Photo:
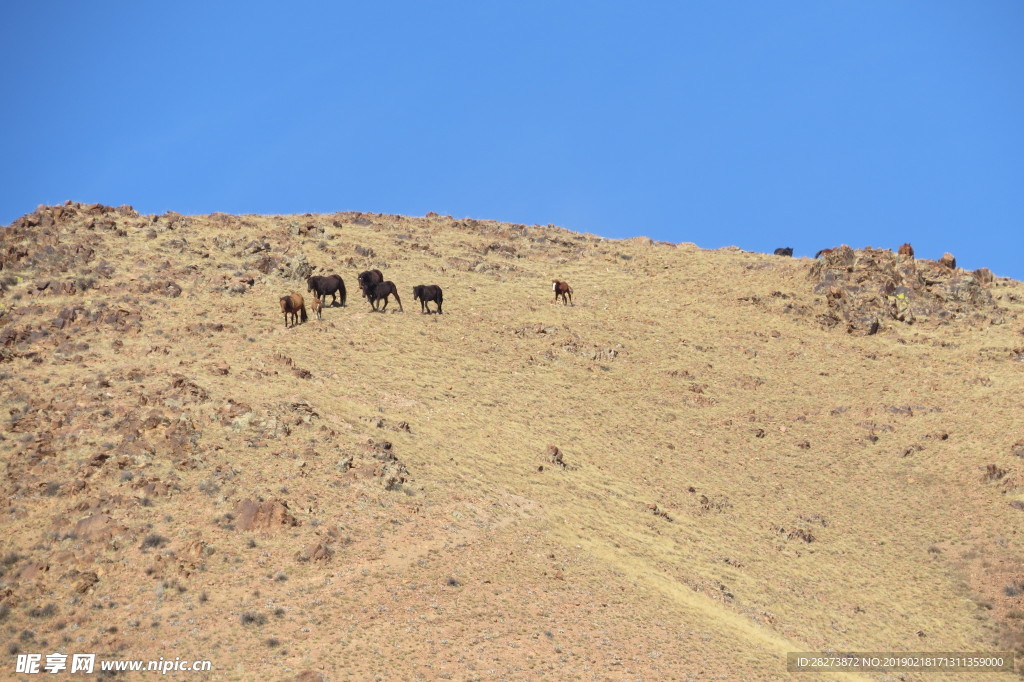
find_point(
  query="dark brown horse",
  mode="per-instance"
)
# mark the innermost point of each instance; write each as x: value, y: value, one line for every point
x: 425, y: 293
x: 368, y: 279
x: 562, y: 291
x: 295, y: 306
x: 375, y: 293
x: 331, y: 284
x: 906, y: 250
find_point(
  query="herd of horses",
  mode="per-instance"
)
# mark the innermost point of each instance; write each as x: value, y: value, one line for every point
x: 377, y: 291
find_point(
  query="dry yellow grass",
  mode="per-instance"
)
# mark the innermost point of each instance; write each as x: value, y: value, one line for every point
x: 739, y: 481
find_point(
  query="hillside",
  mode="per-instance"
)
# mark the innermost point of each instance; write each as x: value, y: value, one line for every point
x: 756, y: 454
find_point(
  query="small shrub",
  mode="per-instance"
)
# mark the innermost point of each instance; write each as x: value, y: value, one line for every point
x: 153, y: 540
x: 1014, y: 588
x: 250, y: 618
x: 44, y: 612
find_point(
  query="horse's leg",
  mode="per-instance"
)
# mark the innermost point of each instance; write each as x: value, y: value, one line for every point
x: 399, y: 301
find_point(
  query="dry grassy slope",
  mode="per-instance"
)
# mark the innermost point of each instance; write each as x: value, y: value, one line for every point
x: 696, y: 381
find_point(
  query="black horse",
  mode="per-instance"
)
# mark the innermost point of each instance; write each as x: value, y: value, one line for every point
x: 784, y: 251
x: 368, y: 279
x: 425, y: 293
x: 322, y: 286
x: 376, y: 293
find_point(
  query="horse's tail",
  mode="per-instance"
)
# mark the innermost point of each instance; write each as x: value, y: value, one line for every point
x: 302, y: 313
x: 342, y: 290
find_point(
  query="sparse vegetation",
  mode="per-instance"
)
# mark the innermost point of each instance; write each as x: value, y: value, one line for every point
x: 250, y: 618
x: 707, y: 433
x: 47, y: 611
x: 153, y: 541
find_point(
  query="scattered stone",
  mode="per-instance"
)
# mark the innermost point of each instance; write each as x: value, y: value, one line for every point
x: 866, y: 287
x: 993, y: 473
x: 269, y: 515
x: 317, y: 552
x: 555, y: 456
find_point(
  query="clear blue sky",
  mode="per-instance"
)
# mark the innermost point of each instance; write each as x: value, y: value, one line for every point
x: 754, y: 123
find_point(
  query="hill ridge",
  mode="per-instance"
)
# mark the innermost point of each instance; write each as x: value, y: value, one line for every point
x: 734, y: 434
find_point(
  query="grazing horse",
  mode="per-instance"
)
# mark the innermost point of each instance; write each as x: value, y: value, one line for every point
x: 784, y: 251
x: 380, y: 292
x: 322, y: 286
x: 823, y: 252
x: 368, y: 279
x: 316, y: 306
x: 425, y: 293
x: 562, y: 290
x: 293, y: 305
x: 906, y: 250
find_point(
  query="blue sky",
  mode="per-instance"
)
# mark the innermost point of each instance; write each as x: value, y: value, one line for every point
x: 759, y: 124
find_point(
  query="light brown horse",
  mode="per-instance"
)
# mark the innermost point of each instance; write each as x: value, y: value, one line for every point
x: 293, y: 305
x: 562, y: 290
x: 906, y: 250
x: 316, y: 306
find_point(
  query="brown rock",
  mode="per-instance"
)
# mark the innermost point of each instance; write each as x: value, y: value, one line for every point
x: 984, y: 276
x: 316, y: 552
x: 83, y: 581
x: 269, y: 515
x: 948, y: 260
x: 310, y: 676
x: 98, y: 527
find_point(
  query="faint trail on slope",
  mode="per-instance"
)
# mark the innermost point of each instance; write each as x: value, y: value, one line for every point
x: 735, y: 623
